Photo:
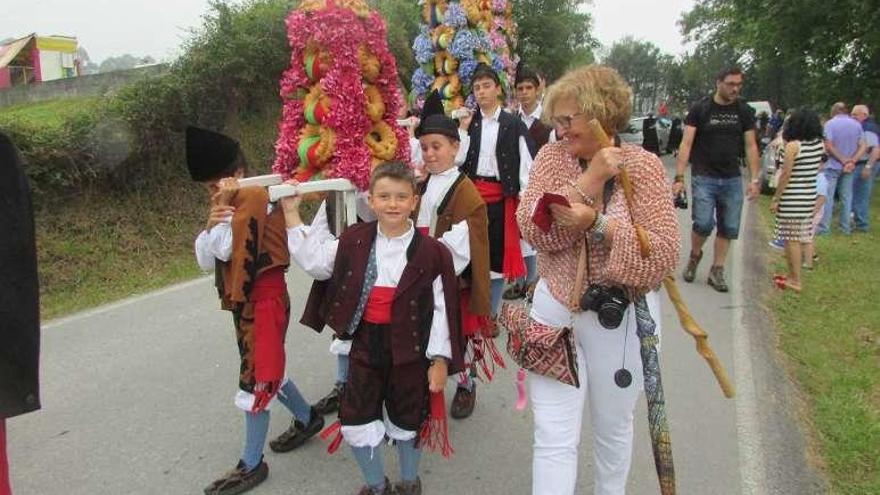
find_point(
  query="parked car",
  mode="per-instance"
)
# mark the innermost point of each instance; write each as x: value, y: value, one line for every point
x: 633, y: 133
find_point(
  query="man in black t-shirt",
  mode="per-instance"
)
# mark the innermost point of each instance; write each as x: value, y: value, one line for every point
x: 719, y: 132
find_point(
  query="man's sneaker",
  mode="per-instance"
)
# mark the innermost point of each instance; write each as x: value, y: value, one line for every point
x: 298, y: 433
x: 408, y: 487
x: 239, y: 480
x: 367, y: 490
x: 777, y: 243
x: 463, y: 402
x: 330, y: 402
x: 690, y: 271
x: 716, y: 279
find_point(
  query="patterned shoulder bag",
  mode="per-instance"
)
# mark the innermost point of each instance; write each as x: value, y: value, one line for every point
x: 543, y: 349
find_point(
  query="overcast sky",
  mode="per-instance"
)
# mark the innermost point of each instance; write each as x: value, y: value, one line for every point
x: 157, y: 27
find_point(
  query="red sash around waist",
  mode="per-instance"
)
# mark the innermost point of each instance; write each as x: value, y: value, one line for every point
x: 378, y: 310
x: 268, y: 284
x: 513, y: 266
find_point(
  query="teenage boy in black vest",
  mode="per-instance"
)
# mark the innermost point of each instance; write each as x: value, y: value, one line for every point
x: 499, y: 157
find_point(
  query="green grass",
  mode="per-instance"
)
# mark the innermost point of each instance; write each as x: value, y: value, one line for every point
x: 52, y: 113
x: 96, y: 247
x: 830, y: 334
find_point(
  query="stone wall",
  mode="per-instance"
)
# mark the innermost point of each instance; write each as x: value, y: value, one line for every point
x: 89, y: 85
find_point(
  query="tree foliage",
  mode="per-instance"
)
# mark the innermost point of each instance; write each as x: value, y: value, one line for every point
x: 805, y: 52
x: 645, y: 68
x: 554, y: 35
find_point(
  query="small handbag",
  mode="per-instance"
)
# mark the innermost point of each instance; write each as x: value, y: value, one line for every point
x: 544, y: 349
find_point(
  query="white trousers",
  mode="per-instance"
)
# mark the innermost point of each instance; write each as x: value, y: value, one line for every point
x: 558, y: 408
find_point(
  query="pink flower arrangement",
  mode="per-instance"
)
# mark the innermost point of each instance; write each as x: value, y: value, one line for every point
x: 339, y: 32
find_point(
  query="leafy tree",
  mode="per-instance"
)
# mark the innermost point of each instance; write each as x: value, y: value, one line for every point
x: 120, y: 62
x: 644, y: 67
x: 805, y: 52
x: 402, y: 19
x: 554, y: 35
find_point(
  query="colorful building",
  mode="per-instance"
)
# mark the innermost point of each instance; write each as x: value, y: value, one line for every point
x: 37, y: 59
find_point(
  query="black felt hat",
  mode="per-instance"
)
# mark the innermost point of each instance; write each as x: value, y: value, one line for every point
x: 434, y: 119
x: 524, y: 73
x: 482, y: 71
x: 209, y: 154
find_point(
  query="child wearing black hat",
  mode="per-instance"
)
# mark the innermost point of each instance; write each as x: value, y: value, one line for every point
x: 452, y: 211
x: 245, y: 243
x: 499, y: 157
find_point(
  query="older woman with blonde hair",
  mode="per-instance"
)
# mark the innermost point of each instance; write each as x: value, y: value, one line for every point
x: 599, y: 221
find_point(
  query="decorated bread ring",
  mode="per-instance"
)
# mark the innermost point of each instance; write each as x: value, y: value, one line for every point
x: 433, y: 12
x: 442, y: 37
x: 445, y: 63
x: 316, y: 146
x: 370, y: 66
x: 316, y: 106
x: 382, y: 141
x: 316, y: 61
x: 375, y: 104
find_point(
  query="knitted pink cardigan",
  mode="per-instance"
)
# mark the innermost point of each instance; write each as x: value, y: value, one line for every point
x: 553, y: 171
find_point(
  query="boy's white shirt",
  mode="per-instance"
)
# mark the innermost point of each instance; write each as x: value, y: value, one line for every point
x: 457, y: 238
x: 216, y: 244
x: 313, y: 248
x: 487, y: 162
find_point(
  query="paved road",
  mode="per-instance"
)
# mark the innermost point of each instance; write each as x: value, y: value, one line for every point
x: 137, y: 398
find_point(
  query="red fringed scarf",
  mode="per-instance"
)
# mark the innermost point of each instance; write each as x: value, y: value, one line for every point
x: 473, y: 327
x: 270, y: 325
x: 435, y: 431
x: 513, y: 266
x: 335, y: 431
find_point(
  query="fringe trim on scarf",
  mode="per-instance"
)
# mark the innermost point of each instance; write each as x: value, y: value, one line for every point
x: 335, y: 431
x: 434, y: 434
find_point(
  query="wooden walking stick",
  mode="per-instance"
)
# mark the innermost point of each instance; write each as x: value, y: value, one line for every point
x: 688, y: 323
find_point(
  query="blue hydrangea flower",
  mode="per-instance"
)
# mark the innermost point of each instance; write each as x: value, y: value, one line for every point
x: 466, y: 70
x: 455, y: 16
x: 421, y: 81
x: 423, y: 48
x: 463, y: 44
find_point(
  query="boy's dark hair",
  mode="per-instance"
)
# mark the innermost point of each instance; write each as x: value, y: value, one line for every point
x: 483, y: 71
x: 728, y: 71
x: 803, y: 125
x: 393, y: 170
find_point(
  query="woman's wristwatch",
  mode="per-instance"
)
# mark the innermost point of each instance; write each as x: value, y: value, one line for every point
x: 599, y: 228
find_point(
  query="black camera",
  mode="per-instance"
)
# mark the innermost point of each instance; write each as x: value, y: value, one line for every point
x: 609, y: 303
x: 681, y: 200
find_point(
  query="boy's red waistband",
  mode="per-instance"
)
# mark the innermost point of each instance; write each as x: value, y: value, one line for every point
x: 378, y: 310
x: 269, y: 284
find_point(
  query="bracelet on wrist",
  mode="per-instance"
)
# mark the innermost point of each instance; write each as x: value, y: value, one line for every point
x: 679, y: 178
x: 588, y: 200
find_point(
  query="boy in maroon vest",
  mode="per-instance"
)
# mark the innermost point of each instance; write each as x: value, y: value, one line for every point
x: 394, y: 292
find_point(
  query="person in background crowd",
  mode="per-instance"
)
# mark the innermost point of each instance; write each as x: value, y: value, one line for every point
x: 718, y: 131
x: 499, y: 157
x: 650, y: 140
x: 675, y: 134
x: 844, y: 143
x: 795, y: 199
x: 866, y: 168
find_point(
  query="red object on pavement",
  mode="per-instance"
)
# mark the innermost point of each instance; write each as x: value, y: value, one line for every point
x: 4, y: 462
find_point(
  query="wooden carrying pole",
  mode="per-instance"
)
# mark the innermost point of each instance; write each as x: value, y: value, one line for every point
x: 688, y: 323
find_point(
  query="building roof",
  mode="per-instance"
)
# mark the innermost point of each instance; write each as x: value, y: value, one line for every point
x: 9, y: 51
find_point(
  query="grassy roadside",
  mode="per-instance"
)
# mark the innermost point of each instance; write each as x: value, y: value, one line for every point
x: 830, y: 335
x: 96, y: 243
